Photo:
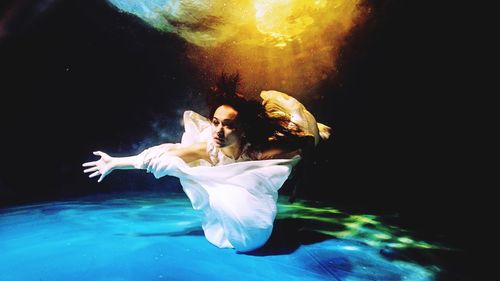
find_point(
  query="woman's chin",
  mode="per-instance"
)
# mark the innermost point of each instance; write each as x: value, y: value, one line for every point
x: 218, y: 143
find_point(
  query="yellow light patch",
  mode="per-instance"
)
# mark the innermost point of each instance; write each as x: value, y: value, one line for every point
x: 287, y: 45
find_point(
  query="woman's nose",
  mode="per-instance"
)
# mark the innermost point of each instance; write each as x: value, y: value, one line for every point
x: 218, y: 130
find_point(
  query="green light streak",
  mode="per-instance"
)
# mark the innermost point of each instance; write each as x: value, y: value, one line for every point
x: 366, y: 228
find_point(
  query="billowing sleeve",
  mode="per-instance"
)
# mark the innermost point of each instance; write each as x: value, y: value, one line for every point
x: 196, y: 128
x: 144, y: 158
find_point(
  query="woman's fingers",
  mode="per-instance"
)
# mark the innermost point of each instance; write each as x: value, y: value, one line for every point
x: 97, y: 166
x: 88, y: 164
x: 90, y: 170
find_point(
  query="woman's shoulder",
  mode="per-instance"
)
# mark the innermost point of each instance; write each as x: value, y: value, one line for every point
x: 194, y: 153
x: 200, y: 148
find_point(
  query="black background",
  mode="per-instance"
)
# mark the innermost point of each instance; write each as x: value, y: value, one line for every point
x: 81, y: 76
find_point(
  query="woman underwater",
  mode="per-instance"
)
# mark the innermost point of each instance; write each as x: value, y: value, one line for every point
x: 232, y: 165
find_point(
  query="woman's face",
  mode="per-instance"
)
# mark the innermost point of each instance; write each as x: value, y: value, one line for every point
x: 225, y: 128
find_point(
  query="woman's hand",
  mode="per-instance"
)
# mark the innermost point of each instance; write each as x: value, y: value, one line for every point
x: 101, y: 167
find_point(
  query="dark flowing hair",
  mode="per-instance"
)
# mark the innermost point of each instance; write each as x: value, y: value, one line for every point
x: 262, y: 131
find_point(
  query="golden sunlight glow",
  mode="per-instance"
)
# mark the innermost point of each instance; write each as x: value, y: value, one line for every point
x: 280, y: 20
x: 285, y: 45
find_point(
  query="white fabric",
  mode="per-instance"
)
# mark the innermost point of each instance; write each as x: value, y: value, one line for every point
x: 238, y: 197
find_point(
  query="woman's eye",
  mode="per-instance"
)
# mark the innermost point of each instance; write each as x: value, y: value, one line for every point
x: 215, y: 122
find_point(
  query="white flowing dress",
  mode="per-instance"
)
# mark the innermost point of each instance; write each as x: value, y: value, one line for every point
x: 238, y: 197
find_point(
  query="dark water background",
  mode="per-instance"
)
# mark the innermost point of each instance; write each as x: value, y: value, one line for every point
x: 78, y: 76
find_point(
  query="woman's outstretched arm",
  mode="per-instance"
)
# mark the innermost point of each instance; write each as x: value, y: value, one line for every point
x: 106, y: 164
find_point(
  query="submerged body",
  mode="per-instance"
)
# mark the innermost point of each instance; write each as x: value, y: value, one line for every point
x: 235, y: 187
x: 237, y: 196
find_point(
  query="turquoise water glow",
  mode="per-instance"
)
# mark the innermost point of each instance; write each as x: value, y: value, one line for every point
x: 151, y: 237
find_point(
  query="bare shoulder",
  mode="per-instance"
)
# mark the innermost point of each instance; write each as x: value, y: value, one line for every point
x: 199, y: 149
x: 192, y: 152
x: 199, y: 146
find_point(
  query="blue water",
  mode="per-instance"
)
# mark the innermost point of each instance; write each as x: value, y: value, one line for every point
x: 152, y: 237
